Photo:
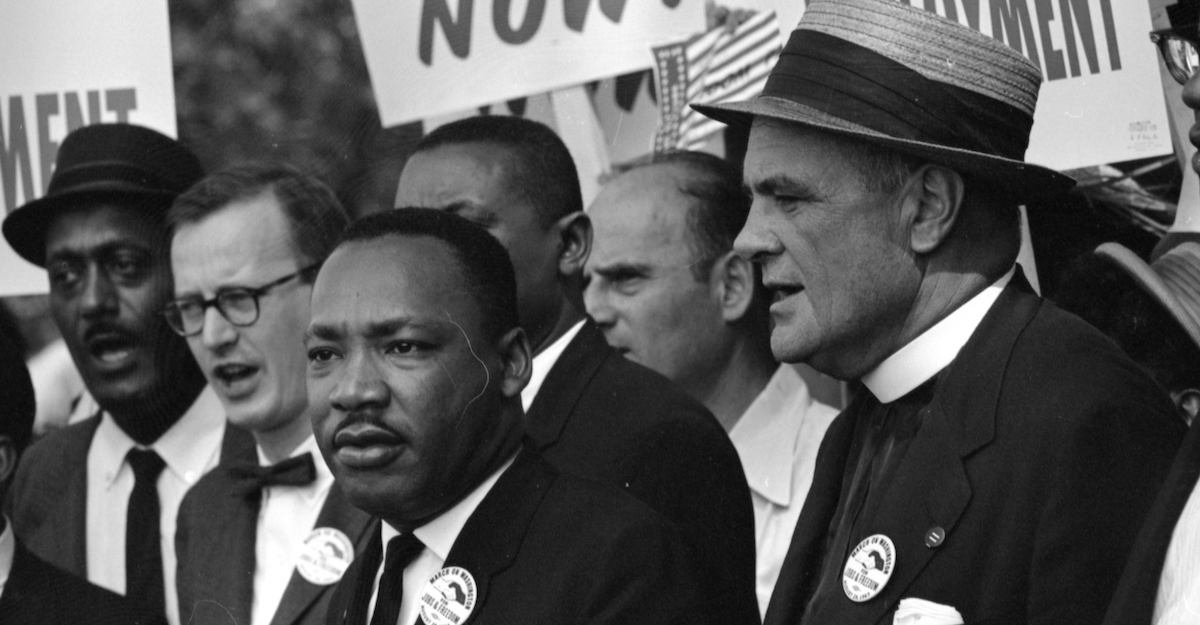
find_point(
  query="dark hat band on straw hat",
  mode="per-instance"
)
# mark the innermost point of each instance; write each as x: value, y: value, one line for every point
x: 841, y: 78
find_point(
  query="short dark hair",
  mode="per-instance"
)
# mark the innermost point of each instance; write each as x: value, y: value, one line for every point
x: 17, y: 403
x: 541, y: 170
x: 485, y: 264
x: 315, y: 216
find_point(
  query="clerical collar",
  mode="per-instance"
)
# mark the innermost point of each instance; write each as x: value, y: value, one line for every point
x: 923, y: 357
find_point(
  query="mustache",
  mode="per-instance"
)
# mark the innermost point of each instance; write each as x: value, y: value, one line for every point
x: 108, y: 329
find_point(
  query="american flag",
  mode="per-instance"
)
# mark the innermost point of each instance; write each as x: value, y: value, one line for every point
x: 716, y: 66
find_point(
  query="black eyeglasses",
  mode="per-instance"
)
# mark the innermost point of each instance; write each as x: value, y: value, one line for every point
x: 1180, y: 49
x: 239, y: 306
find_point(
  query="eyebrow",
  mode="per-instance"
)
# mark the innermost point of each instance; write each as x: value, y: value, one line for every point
x: 104, y: 249
x: 779, y: 183
x: 622, y: 267
x: 374, y: 330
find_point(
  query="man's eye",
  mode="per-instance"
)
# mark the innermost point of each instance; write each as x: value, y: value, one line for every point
x: 318, y: 355
x: 403, y: 348
x: 127, y: 265
x: 62, y: 274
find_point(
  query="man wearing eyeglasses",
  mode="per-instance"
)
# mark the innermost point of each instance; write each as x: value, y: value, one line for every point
x: 98, y: 499
x: 1161, y: 581
x: 260, y: 542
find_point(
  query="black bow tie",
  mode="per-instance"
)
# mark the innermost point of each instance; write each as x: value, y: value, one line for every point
x: 250, y: 479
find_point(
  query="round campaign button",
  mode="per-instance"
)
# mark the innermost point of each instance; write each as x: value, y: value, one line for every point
x: 869, y: 568
x: 448, y: 597
x: 325, y: 556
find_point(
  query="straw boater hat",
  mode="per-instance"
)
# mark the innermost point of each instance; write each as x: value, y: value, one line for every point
x: 1173, y: 279
x: 106, y: 161
x: 906, y: 79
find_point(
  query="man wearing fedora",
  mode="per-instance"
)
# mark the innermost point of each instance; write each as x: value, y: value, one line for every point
x: 99, y: 498
x: 999, y: 458
x: 1161, y: 582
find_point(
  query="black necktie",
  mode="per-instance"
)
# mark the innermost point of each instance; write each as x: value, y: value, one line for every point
x: 250, y: 479
x: 143, y: 553
x: 401, y: 551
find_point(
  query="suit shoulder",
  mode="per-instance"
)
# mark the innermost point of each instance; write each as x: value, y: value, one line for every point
x: 79, y: 600
x: 644, y: 397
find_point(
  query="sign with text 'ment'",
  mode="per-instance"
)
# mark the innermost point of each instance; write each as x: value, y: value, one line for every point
x: 1102, y: 100
x: 430, y: 57
x: 66, y: 64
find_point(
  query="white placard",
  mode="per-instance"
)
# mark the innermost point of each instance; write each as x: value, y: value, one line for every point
x: 431, y: 57
x: 1101, y: 101
x: 65, y: 64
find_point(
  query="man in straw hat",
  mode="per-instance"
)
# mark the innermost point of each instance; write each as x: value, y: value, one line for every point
x: 999, y: 459
x: 99, y: 498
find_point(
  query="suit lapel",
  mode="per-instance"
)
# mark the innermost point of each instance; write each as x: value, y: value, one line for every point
x: 564, y: 385
x: 300, y: 593
x: 931, y: 489
x: 66, y: 548
x: 1134, y: 599
x: 493, y: 534
x: 225, y: 577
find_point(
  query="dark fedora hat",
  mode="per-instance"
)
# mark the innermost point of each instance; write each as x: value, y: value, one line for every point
x: 904, y: 78
x: 104, y: 161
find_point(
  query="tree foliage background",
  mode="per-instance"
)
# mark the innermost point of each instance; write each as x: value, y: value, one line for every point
x: 284, y: 80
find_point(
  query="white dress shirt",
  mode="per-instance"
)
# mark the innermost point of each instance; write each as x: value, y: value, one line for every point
x: 8, y: 549
x: 777, y: 440
x: 189, y: 448
x: 285, y: 518
x: 923, y: 357
x: 1178, y: 598
x: 438, y: 536
x: 544, y: 362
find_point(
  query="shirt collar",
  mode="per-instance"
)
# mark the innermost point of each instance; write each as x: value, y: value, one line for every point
x: 8, y: 550
x: 765, y: 435
x: 186, y: 447
x: 923, y: 357
x: 543, y: 362
x: 439, y: 534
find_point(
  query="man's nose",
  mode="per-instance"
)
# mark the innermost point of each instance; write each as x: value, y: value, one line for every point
x: 360, y: 385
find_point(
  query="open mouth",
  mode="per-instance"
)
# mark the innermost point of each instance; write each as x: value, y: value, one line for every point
x: 783, y: 291
x: 111, y: 347
x: 233, y: 372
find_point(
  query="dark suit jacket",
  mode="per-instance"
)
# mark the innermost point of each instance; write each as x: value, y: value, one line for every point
x: 39, y: 594
x: 1037, y: 456
x: 546, y: 548
x: 1133, y: 603
x: 601, y: 417
x: 215, y: 537
x: 49, y: 494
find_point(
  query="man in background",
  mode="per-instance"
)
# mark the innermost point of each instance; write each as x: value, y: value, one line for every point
x: 668, y: 291
x: 589, y: 411
x: 246, y: 244
x: 99, y: 498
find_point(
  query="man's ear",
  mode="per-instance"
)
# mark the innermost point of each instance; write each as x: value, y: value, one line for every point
x: 8, y: 459
x: 575, y: 242
x: 516, y: 360
x: 732, y: 281
x: 1188, y: 403
x: 934, y: 195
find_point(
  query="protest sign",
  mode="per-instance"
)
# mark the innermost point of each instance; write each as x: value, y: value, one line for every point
x: 66, y: 64
x: 431, y: 57
x: 1101, y: 101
